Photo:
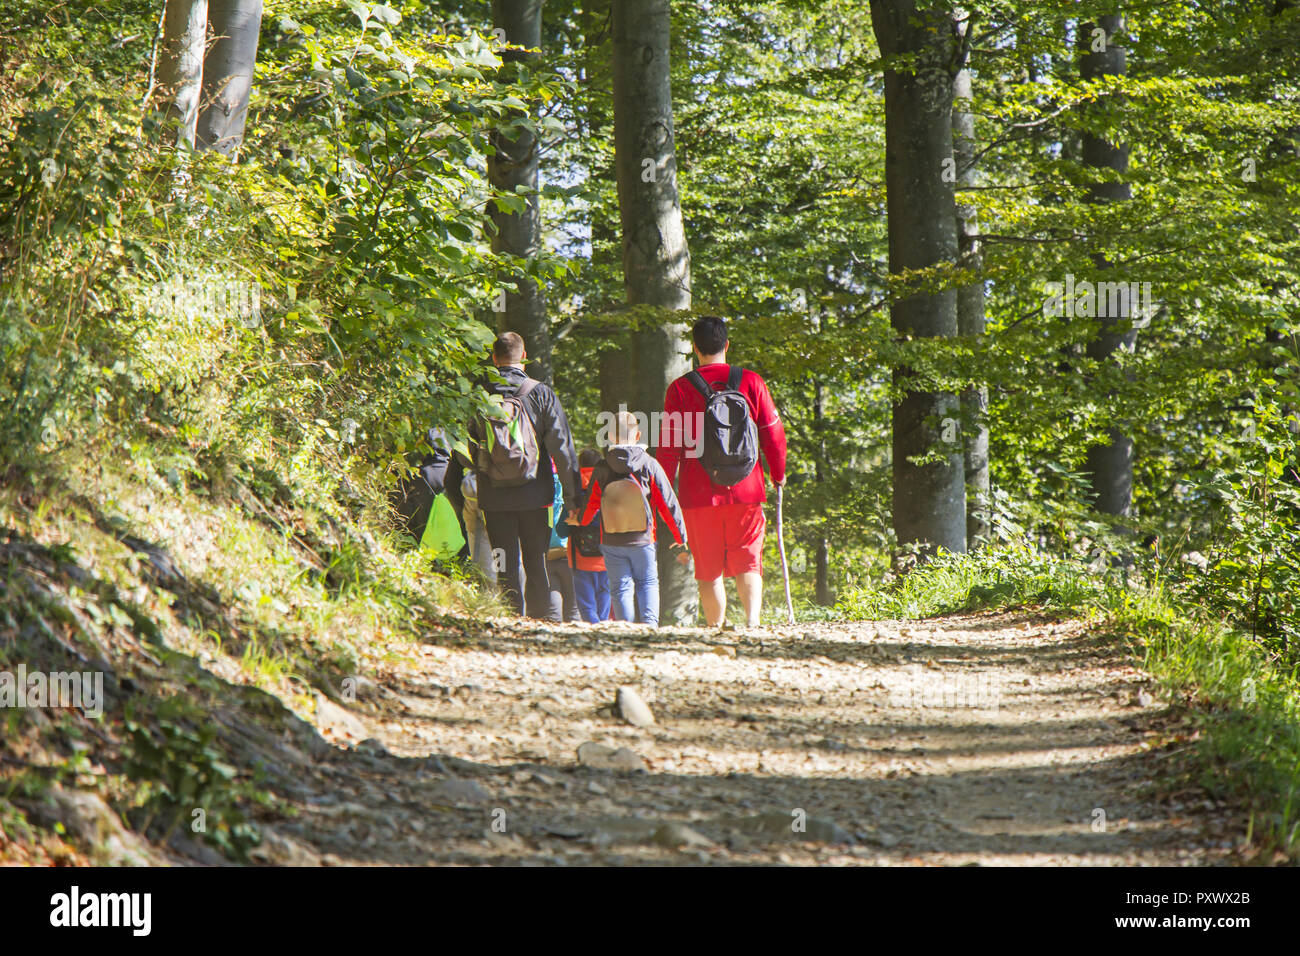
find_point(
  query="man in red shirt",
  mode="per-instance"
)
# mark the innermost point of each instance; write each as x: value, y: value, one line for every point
x: 725, y: 525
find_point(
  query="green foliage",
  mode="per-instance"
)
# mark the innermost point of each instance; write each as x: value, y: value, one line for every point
x: 1251, y: 571
x: 356, y: 220
x: 308, y: 311
x: 1248, y: 712
x: 1006, y: 576
x: 358, y: 212
x: 172, y: 749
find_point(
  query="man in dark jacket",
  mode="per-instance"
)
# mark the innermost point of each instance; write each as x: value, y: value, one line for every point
x: 519, y: 517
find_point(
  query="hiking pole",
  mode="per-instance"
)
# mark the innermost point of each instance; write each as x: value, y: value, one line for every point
x: 780, y: 543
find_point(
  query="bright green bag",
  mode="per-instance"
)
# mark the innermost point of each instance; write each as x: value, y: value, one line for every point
x: 442, y: 537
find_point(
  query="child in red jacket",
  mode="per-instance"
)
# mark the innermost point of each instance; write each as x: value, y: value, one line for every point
x: 590, y: 581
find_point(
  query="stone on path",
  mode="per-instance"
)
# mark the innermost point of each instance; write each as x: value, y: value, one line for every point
x: 458, y: 792
x: 629, y: 706
x: 337, y: 723
x: 679, y: 835
x: 599, y: 757
x: 279, y: 849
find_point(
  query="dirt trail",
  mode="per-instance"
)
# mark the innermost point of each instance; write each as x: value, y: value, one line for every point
x: 987, y: 738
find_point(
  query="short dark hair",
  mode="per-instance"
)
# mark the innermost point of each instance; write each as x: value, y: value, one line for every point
x: 589, y: 458
x: 508, y: 348
x: 709, y: 334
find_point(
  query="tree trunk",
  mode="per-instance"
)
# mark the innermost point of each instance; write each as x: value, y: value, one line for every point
x: 228, y: 73
x: 824, y: 596
x: 970, y: 311
x: 515, y: 163
x: 656, y: 261
x: 180, y: 65
x: 1110, y: 466
x: 929, y: 500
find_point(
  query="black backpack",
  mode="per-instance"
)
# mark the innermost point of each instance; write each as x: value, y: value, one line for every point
x: 730, y: 436
x: 586, y: 538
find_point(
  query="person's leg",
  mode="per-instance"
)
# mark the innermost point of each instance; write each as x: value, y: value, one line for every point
x: 556, y: 594
x: 476, y: 536
x: 704, y: 533
x: 713, y: 601
x: 646, y: 569
x: 619, y: 567
x: 584, y: 592
x: 743, y: 530
x: 750, y: 586
x: 485, y: 559
x: 503, y: 535
x: 602, y: 595
x: 561, y: 575
x: 468, y: 514
x: 534, y: 542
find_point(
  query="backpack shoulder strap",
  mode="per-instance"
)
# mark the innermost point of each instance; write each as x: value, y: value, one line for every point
x: 734, y: 377
x: 528, y: 385
x: 701, y: 386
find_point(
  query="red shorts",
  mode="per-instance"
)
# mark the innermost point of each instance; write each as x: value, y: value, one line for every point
x: 725, y: 540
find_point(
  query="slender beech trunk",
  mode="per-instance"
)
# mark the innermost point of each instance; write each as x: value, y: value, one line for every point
x: 515, y: 163
x: 929, y: 500
x: 180, y: 64
x: 1109, y: 466
x: 235, y: 26
x: 823, y: 577
x: 656, y: 261
x: 970, y: 310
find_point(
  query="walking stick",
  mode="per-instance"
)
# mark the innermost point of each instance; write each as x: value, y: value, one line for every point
x: 780, y: 543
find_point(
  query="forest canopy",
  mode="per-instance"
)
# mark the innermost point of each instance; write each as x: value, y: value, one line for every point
x: 360, y: 213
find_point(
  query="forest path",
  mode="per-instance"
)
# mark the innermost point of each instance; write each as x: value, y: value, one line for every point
x: 991, y: 738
